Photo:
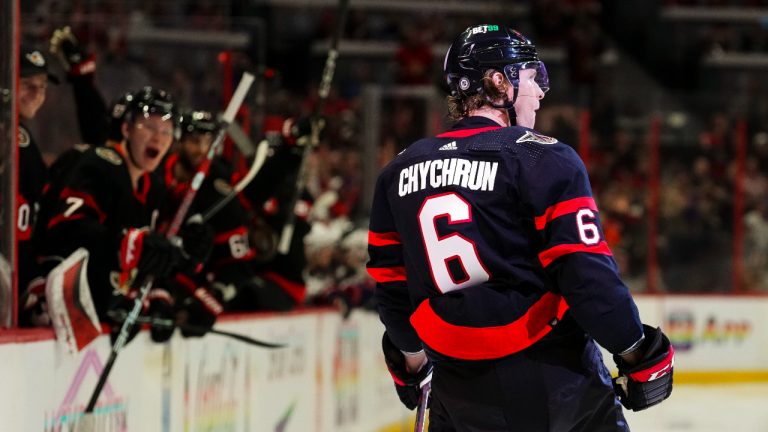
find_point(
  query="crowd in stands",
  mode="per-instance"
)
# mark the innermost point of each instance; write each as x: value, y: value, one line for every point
x: 698, y: 174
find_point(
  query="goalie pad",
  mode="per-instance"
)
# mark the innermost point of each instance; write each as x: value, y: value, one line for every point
x: 70, y: 305
x: 649, y: 381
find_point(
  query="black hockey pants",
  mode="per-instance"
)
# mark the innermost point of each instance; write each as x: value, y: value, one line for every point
x: 556, y: 385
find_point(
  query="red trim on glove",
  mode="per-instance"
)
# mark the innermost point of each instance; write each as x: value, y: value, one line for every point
x: 656, y: 371
x: 85, y: 67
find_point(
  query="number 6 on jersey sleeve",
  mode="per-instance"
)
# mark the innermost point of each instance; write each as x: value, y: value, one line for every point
x: 443, y: 250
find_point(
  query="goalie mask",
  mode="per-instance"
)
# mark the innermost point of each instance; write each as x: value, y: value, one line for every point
x: 480, y: 48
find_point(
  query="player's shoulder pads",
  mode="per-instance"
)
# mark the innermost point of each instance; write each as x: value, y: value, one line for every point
x: 109, y: 155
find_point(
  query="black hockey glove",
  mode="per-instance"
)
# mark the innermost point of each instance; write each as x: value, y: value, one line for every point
x: 408, y: 385
x: 196, y: 242
x: 160, y: 308
x: 75, y: 60
x: 298, y: 131
x: 148, y: 254
x: 199, y: 312
x: 649, y: 381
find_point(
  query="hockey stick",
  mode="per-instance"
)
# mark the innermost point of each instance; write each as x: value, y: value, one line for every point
x: 421, y: 411
x: 241, y: 140
x: 202, y: 170
x: 125, y: 329
x: 258, y: 162
x: 166, y: 323
x: 324, y: 89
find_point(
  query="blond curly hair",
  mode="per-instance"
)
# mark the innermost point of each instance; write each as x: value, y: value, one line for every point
x: 460, y: 106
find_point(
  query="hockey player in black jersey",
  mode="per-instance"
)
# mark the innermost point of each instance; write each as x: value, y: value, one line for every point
x: 229, y: 269
x: 34, y: 78
x: 492, y: 270
x: 110, y: 204
x: 280, y: 276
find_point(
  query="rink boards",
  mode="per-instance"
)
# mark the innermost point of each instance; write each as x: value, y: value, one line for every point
x: 717, y: 339
x: 331, y: 378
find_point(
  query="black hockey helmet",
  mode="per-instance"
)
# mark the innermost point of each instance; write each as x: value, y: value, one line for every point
x: 151, y: 101
x: 117, y: 116
x: 198, y: 122
x: 490, y: 46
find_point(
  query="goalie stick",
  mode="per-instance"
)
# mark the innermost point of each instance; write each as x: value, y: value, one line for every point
x: 325, y: 87
x: 258, y: 162
x: 197, y: 180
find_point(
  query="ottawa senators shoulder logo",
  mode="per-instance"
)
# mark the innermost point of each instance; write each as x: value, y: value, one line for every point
x: 109, y: 155
x: 537, y: 138
x: 24, y: 138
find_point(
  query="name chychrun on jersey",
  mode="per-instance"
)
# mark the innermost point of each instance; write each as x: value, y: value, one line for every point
x: 473, y: 175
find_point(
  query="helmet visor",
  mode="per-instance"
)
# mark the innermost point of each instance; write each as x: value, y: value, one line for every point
x: 512, y: 72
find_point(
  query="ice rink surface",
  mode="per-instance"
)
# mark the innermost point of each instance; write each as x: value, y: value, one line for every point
x: 707, y: 408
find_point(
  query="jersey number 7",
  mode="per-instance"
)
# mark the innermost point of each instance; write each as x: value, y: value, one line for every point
x: 451, y: 251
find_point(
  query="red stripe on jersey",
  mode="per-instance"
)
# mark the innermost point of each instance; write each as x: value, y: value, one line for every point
x: 546, y: 257
x: 564, y: 208
x: 141, y: 195
x: 88, y: 201
x: 463, y: 133
x: 387, y: 274
x: 296, y: 290
x: 383, y: 239
x: 58, y: 218
x: 224, y: 237
x: 186, y: 282
x: 482, y: 343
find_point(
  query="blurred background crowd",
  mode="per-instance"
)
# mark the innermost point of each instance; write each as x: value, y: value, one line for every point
x: 665, y: 101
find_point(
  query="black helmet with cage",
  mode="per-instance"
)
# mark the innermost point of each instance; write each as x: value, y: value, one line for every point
x: 489, y: 46
x: 198, y: 122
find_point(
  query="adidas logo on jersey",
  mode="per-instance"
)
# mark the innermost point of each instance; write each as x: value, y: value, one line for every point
x: 450, y: 146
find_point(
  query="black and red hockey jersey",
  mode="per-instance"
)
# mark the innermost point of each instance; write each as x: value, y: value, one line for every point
x: 96, y: 203
x: 483, y: 238
x: 33, y: 178
x: 231, y: 260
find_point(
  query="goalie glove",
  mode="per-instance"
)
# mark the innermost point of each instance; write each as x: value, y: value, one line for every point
x: 648, y: 382
x: 73, y: 57
x: 408, y: 385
